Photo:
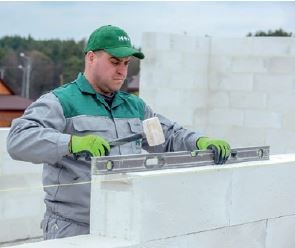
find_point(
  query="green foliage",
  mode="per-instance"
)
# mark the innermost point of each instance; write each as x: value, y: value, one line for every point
x: 54, y: 62
x: 278, y: 32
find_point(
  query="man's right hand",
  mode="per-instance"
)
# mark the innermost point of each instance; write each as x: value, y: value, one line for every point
x: 89, y: 145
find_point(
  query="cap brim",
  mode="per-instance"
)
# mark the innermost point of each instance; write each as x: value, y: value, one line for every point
x: 121, y: 52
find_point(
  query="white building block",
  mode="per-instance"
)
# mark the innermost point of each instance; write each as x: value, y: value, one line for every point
x: 281, y: 141
x: 200, y: 119
x: 172, y: 99
x: 225, y: 117
x: 249, y: 100
x: 183, y: 43
x: 231, y: 81
x: 218, y: 99
x: 280, y: 232
x: 19, y: 228
x: 283, y: 102
x: 219, y: 64
x: 89, y: 241
x: 281, y: 65
x: 238, y: 136
x: 186, y: 118
x: 21, y: 204
x: 159, y: 41
x: 242, y: 236
x: 260, y: 119
x: 168, y: 98
x: 273, y: 83
x: 160, y: 204
x: 237, y: 82
x: 196, y: 98
x: 274, y: 46
x: 168, y: 60
x: 141, y: 208
x: 21, y: 196
x: 248, y: 64
x: 231, y: 46
x: 263, y: 191
x: 254, y: 46
x: 289, y: 120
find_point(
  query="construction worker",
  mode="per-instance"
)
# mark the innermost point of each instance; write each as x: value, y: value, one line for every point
x: 81, y: 117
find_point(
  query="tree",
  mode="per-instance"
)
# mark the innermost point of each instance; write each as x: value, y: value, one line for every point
x: 278, y: 32
x: 42, y: 74
x: 54, y: 62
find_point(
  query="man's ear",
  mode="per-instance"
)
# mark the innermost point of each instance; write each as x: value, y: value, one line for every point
x: 90, y: 56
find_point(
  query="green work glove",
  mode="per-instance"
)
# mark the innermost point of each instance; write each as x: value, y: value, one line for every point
x: 221, y: 148
x: 88, y: 146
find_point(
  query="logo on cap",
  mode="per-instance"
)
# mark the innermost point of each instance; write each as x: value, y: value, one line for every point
x: 123, y: 38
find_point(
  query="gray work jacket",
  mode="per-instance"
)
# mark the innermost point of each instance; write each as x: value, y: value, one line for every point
x: 43, y: 133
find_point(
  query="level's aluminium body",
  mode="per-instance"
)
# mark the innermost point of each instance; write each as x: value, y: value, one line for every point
x: 171, y: 160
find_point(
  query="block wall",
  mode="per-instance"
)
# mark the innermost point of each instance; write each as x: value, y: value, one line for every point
x: 21, y: 197
x: 240, y: 205
x: 238, y: 89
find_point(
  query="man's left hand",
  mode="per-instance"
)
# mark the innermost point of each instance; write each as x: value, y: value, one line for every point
x: 221, y: 148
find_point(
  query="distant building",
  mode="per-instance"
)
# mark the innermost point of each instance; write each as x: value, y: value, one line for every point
x: 133, y: 85
x: 11, y: 105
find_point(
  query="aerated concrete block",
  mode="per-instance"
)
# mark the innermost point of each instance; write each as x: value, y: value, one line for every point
x: 270, y: 83
x: 263, y: 191
x: 248, y: 65
x: 225, y: 117
x: 242, y: 236
x: 158, y: 41
x: 219, y: 64
x: 249, y: 100
x: 263, y: 119
x: 253, y: 46
x: 160, y: 204
x: 19, y: 228
x: 281, y: 141
x: 281, y: 65
x: 231, y: 46
x: 237, y: 82
x: 280, y: 232
x: 282, y: 102
x: 219, y: 99
x: 274, y: 46
x: 89, y: 241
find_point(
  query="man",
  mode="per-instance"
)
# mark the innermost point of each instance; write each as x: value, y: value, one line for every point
x: 81, y: 117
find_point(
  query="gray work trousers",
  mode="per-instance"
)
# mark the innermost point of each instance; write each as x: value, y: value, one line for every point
x: 55, y: 227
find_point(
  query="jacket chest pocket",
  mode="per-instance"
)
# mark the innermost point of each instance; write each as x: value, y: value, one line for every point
x: 134, y: 126
x: 97, y: 126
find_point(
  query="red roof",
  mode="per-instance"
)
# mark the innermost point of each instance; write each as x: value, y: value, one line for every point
x: 4, y: 86
x: 13, y: 102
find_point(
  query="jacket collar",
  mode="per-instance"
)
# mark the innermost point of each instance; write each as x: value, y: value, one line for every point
x: 86, y: 87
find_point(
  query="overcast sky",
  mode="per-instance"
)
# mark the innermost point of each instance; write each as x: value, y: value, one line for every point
x: 76, y: 20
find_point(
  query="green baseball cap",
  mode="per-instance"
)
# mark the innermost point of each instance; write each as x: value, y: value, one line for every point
x: 114, y: 41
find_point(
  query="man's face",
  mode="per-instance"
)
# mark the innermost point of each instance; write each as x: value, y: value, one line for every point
x: 106, y: 73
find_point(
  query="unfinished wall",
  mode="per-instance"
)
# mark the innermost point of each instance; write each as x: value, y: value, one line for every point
x: 21, y: 196
x: 240, y: 205
x: 239, y: 89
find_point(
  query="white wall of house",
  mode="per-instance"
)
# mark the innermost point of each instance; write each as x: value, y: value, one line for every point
x: 238, y: 89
